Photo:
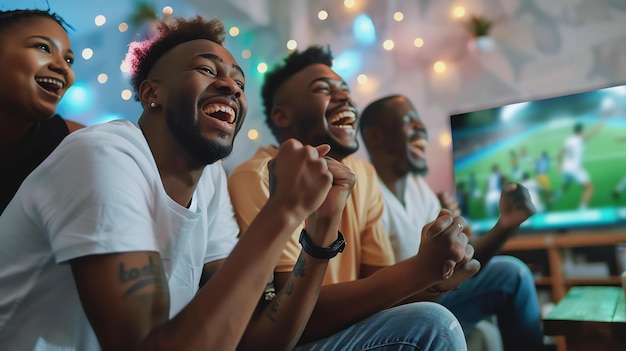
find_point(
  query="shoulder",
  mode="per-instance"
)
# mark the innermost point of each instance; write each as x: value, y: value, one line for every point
x: 73, y: 126
x: 103, y: 134
x: 257, y: 163
x: 361, y: 167
x: 104, y: 145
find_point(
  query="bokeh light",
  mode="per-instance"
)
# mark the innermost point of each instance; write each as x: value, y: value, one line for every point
x: 388, y: 44
x: 167, y: 10
x: 364, y: 30
x: 439, y: 67
x: 87, y: 53
x: 102, y: 78
x: 126, y: 94
x: 253, y: 134
x: 261, y: 67
x: 458, y: 11
x: 100, y: 20
x: 361, y: 79
x: 292, y: 44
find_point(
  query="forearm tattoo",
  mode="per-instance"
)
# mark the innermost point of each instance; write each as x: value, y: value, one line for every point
x: 299, y: 269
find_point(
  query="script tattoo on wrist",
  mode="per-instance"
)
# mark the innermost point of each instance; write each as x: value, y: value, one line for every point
x: 299, y: 269
x: 147, y: 275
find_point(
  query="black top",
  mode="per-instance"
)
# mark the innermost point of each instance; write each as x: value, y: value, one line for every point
x: 17, y: 164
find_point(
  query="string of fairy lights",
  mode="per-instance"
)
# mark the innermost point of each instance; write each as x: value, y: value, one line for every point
x: 365, y: 32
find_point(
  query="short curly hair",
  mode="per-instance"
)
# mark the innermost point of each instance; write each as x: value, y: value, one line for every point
x: 11, y: 17
x: 142, y: 56
x: 292, y: 64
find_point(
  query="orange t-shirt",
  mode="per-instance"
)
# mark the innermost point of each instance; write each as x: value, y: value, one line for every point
x: 366, y: 240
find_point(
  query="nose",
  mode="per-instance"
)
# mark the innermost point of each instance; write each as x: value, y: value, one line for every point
x: 340, y: 95
x: 228, y: 86
x: 60, y: 65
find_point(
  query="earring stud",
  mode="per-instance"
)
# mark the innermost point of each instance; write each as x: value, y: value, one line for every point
x: 153, y: 105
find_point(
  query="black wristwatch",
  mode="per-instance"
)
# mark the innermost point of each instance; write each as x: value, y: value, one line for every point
x: 323, y: 253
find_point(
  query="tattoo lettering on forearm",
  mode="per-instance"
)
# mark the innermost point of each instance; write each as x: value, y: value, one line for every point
x: 274, y: 308
x: 288, y: 288
x: 140, y: 277
x: 298, y: 269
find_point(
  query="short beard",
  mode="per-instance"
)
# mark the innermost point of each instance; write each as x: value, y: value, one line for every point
x: 337, y: 150
x: 418, y: 170
x: 200, y: 150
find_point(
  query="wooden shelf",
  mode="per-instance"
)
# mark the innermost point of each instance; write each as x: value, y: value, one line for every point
x: 575, y: 239
x: 612, y: 280
x: 552, y: 244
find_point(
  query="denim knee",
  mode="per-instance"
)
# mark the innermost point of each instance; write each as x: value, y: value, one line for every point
x: 418, y: 326
x: 511, y: 268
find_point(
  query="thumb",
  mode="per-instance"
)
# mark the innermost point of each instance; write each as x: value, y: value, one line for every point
x: 439, y: 225
x: 448, y: 269
x: 323, y: 149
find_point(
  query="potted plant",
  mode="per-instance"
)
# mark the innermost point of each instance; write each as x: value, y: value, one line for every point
x: 480, y: 26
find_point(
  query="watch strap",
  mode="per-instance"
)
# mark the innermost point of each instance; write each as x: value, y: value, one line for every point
x: 322, y: 252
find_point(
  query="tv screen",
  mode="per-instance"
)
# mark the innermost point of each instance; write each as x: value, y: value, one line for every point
x: 569, y: 151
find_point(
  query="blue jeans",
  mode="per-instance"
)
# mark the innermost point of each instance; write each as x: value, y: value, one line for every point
x: 415, y: 326
x: 504, y: 287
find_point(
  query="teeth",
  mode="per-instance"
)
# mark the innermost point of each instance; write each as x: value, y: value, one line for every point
x: 210, y: 109
x: 343, y: 114
x: 420, y: 143
x: 57, y: 82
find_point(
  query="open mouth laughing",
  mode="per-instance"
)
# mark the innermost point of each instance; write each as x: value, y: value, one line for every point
x: 343, y: 119
x: 221, y: 112
x: 417, y: 145
x: 51, y: 85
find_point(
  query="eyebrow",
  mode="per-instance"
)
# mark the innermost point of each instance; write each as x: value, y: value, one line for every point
x: 329, y: 81
x: 214, y: 57
x: 51, y: 42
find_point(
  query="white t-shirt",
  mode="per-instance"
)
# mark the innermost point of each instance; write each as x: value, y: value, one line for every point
x: 404, y: 223
x: 573, y: 153
x: 100, y: 192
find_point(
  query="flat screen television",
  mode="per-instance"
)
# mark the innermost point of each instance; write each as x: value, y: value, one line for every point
x: 569, y: 151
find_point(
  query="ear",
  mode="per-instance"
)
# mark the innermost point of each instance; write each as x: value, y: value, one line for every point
x: 372, y: 136
x: 148, y: 92
x: 281, y: 117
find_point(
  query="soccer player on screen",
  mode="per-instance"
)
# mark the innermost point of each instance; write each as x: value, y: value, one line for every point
x: 621, y: 185
x: 571, y: 158
x: 542, y: 166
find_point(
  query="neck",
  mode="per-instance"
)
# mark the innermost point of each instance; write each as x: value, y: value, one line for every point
x: 179, y: 174
x: 13, y: 131
x: 388, y: 172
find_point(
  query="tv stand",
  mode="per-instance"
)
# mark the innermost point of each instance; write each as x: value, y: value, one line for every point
x: 553, y: 244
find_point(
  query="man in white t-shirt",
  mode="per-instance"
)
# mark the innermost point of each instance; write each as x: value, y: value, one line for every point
x: 111, y: 242
x: 396, y: 140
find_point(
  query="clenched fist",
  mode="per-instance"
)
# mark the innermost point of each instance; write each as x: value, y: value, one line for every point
x: 299, y: 176
x: 444, y: 247
x: 515, y: 205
